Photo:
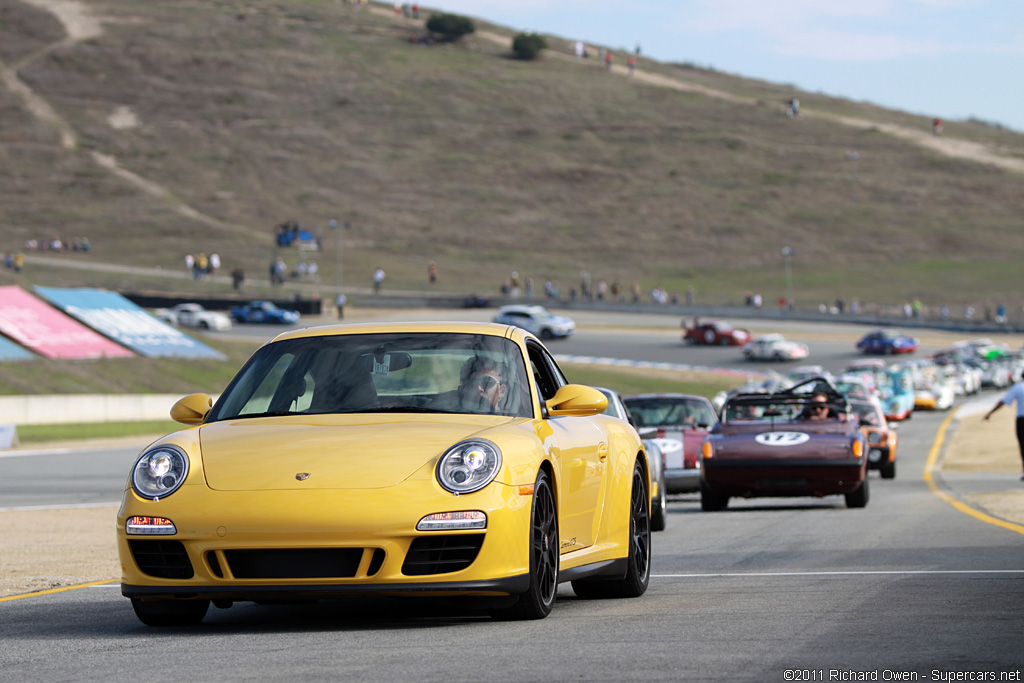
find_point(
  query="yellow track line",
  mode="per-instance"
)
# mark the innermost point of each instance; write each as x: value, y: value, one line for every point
x: 57, y: 590
x: 929, y: 466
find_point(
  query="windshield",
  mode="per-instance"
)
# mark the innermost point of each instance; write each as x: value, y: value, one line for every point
x: 668, y: 411
x: 867, y: 413
x: 359, y: 373
x: 784, y: 408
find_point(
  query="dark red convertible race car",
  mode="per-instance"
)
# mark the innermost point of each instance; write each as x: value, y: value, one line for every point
x: 804, y: 441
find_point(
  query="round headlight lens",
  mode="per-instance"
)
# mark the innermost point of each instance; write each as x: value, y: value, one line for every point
x: 469, y: 466
x: 159, y: 472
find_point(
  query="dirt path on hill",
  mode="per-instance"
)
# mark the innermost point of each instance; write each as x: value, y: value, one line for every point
x: 80, y: 24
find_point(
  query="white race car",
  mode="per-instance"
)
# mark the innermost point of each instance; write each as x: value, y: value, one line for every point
x: 774, y: 347
x: 194, y: 315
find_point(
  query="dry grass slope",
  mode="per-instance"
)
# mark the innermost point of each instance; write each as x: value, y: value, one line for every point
x: 252, y: 113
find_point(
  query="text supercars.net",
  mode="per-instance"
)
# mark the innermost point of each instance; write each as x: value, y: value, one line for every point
x: 894, y: 675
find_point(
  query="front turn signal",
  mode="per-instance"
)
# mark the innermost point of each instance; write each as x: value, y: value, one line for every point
x: 706, y: 449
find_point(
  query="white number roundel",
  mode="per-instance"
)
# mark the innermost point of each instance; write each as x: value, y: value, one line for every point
x: 781, y: 438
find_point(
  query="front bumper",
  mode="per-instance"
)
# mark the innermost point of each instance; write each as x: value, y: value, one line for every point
x: 679, y: 480
x: 758, y: 478
x: 244, y: 545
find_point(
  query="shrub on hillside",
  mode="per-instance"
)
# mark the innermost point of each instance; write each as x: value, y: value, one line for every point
x: 450, y: 26
x: 528, y: 45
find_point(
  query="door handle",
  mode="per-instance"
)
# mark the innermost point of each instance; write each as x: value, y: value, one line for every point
x: 602, y: 450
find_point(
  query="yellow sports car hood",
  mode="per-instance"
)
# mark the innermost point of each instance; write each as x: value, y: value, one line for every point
x: 329, y: 451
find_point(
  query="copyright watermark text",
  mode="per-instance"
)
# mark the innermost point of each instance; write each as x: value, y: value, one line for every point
x: 947, y: 676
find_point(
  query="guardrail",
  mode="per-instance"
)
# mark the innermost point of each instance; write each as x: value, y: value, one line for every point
x: 73, y: 408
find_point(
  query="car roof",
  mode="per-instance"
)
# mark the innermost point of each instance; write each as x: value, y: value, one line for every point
x: 492, y: 329
x: 525, y: 308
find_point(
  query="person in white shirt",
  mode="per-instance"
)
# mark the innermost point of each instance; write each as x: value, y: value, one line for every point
x: 1015, y: 394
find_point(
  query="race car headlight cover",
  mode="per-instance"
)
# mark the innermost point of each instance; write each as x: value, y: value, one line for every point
x: 159, y: 472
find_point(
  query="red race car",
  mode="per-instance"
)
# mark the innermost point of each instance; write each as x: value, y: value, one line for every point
x: 714, y: 333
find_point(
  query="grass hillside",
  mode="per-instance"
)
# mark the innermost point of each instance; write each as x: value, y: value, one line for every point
x: 229, y: 117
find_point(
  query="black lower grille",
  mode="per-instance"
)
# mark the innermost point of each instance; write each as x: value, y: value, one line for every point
x: 163, y: 559
x: 441, y: 554
x: 294, y: 563
x: 211, y: 559
x: 376, y: 562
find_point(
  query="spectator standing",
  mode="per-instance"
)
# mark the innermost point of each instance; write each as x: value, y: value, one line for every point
x: 339, y: 303
x: 631, y: 63
x: 279, y: 270
x: 1014, y: 395
x: 237, y: 278
x: 214, y: 263
x: 19, y: 262
x: 937, y: 126
x: 190, y: 263
x: 608, y: 60
x: 202, y: 266
x: 378, y: 280
x: 432, y: 273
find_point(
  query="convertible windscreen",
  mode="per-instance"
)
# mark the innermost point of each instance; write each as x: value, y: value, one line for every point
x: 361, y: 373
x: 669, y: 411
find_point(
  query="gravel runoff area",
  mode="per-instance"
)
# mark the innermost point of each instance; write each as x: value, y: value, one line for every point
x: 44, y: 549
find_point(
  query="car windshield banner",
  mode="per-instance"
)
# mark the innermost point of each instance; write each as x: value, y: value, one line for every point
x: 41, y: 328
x: 119, y: 319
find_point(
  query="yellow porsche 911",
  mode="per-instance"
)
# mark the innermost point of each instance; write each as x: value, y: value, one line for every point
x: 448, y: 459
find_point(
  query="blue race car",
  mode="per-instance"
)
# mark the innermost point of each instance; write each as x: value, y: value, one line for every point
x: 884, y: 342
x: 264, y: 312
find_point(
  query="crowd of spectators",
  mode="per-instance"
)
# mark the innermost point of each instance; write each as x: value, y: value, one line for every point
x: 56, y: 244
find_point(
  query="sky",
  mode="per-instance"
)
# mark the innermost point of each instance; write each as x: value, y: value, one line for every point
x: 950, y: 59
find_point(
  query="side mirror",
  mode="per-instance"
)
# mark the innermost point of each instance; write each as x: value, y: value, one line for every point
x: 192, y: 409
x: 577, y: 400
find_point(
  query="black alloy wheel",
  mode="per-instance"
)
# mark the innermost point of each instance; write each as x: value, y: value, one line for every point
x: 537, y: 601
x: 638, y: 569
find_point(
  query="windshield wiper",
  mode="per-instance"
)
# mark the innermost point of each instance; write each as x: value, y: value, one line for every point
x: 397, y: 409
x: 273, y: 413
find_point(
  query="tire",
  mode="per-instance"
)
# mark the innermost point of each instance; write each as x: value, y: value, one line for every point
x: 710, y: 501
x: 638, y: 572
x: 203, y: 325
x: 860, y: 497
x: 888, y: 470
x: 709, y: 337
x: 546, y: 334
x: 170, y: 612
x: 537, y: 601
x: 659, y: 508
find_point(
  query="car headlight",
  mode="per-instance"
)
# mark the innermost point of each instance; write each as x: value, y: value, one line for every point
x: 469, y: 466
x: 159, y: 472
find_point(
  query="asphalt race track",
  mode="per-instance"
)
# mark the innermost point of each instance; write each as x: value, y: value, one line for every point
x: 908, y: 588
